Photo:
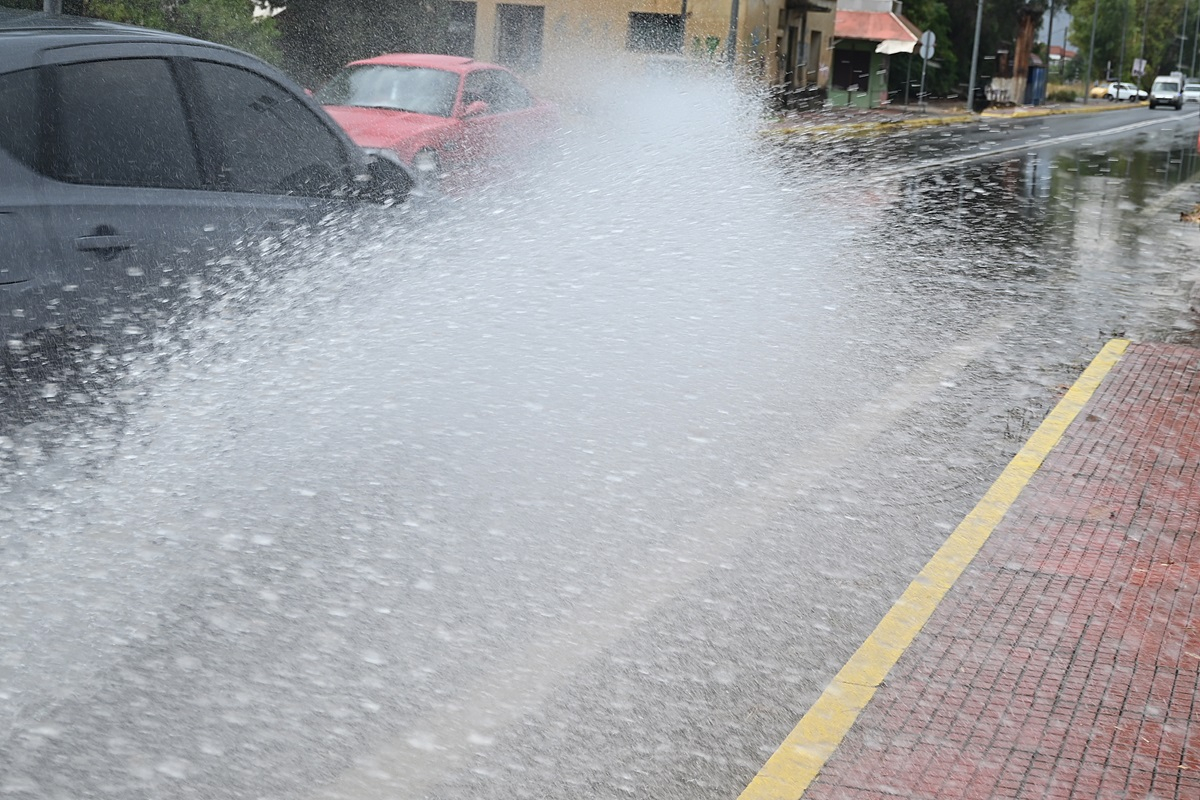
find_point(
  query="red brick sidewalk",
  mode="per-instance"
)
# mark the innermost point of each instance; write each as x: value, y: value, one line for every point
x: 1064, y: 661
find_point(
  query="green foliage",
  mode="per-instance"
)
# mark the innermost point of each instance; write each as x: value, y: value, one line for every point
x: 929, y: 15
x: 1062, y: 96
x: 1152, y: 27
x: 953, y: 22
x: 228, y: 22
x: 318, y: 39
x: 999, y: 27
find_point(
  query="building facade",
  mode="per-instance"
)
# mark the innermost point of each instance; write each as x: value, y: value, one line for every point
x: 867, y: 33
x: 784, y: 43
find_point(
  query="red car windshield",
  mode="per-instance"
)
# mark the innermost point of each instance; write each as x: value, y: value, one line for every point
x: 416, y: 89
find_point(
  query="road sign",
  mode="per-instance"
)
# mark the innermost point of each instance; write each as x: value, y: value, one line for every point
x: 1139, y: 67
x: 927, y: 41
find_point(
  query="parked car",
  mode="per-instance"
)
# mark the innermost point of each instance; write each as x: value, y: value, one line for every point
x: 1166, y: 91
x: 1119, y: 91
x: 130, y: 159
x: 1191, y: 93
x: 436, y: 114
x: 1130, y: 92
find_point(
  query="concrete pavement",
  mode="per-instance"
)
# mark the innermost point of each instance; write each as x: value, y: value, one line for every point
x: 1051, y: 648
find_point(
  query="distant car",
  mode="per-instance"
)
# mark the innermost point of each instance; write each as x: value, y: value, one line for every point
x: 1098, y: 92
x: 1132, y: 93
x: 132, y: 159
x: 1166, y: 91
x: 1191, y: 93
x: 436, y: 114
x: 1121, y: 91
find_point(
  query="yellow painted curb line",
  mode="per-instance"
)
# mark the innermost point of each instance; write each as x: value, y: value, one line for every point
x: 1048, y: 112
x: 854, y: 129
x: 867, y: 128
x: 788, y: 773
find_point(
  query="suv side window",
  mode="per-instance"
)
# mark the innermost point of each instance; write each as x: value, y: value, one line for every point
x: 19, y: 122
x: 122, y: 123
x: 269, y: 142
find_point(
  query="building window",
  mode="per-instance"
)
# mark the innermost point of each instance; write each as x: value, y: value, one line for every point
x: 519, y: 35
x: 460, y: 35
x: 812, y: 59
x: 655, y: 33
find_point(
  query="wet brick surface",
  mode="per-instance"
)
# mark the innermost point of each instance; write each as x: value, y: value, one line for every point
x: 1064, y: 662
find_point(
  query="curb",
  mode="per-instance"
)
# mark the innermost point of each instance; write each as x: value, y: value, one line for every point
x: 857, y: 129
x: 797, y: 762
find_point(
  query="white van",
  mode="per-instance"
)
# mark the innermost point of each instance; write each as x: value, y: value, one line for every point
x: 1167, y: 91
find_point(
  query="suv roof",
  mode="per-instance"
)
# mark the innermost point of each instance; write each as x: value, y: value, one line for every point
x: 15, y: 20
x: 25, y: 31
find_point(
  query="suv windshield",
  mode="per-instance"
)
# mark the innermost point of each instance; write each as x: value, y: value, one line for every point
x: 416, y: 89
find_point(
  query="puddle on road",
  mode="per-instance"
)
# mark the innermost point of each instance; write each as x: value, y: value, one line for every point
x: 1086, y: 238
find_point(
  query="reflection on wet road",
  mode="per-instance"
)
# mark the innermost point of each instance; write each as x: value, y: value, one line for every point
x: 584, y: 486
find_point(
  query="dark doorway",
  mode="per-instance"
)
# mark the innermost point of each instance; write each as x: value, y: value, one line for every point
x: 519, y: 36
x: 655, y: 33
x: 460, y: 33
x: 852, y: 68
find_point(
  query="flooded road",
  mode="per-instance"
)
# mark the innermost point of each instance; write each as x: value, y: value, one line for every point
x: 583, y: 485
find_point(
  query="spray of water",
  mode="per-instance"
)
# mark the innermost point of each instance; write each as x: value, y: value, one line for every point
x: 345, y: 489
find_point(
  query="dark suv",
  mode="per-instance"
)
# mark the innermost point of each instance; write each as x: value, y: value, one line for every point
x: 131, y: 159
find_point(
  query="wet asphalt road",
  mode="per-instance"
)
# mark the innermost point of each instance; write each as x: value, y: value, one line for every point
x: 584, y: 486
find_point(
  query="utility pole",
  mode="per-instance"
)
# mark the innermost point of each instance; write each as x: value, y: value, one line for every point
x: 975, y: 58
x: 1195, y: 41
x: 1121, y: 59
x: 683, y: 28
x: 1145, y: 23
x: 1182, y: 36
x: 731, y: 44
x: 1050, y: 40
x: 52, y: 6
x: 1087, y: 86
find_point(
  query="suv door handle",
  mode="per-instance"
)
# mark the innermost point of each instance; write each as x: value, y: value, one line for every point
x: 104, y: 241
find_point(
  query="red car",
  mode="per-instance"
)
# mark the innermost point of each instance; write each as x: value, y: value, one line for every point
x: 436, y: 114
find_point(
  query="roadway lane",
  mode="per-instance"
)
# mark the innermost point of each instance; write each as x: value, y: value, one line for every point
x: 583, y: 486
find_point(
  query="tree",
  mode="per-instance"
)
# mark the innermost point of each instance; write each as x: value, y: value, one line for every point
x: 1112, y: 56
x: 997, y: 31
x: 1153, y: 28
x: 228, y: 22
x: 319, y: 37
x: 929, y: 15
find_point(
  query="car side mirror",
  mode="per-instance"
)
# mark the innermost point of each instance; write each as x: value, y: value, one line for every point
x: 384, y: 182
x: 476, y: 108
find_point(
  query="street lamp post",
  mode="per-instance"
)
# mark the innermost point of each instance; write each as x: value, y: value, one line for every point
x: 974, y: 58
x: 1145, y: 26
x: 1050, y: 40
x: 731, y: 45
x: 1121, y: 59
x: 1195, y: 41
x: 1182, y: 37
x: 1087, y: 86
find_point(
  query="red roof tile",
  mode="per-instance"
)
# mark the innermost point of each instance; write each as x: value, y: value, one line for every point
x: 874, y: 26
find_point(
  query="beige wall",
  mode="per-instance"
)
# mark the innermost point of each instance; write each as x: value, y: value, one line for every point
x: 582, y: 36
